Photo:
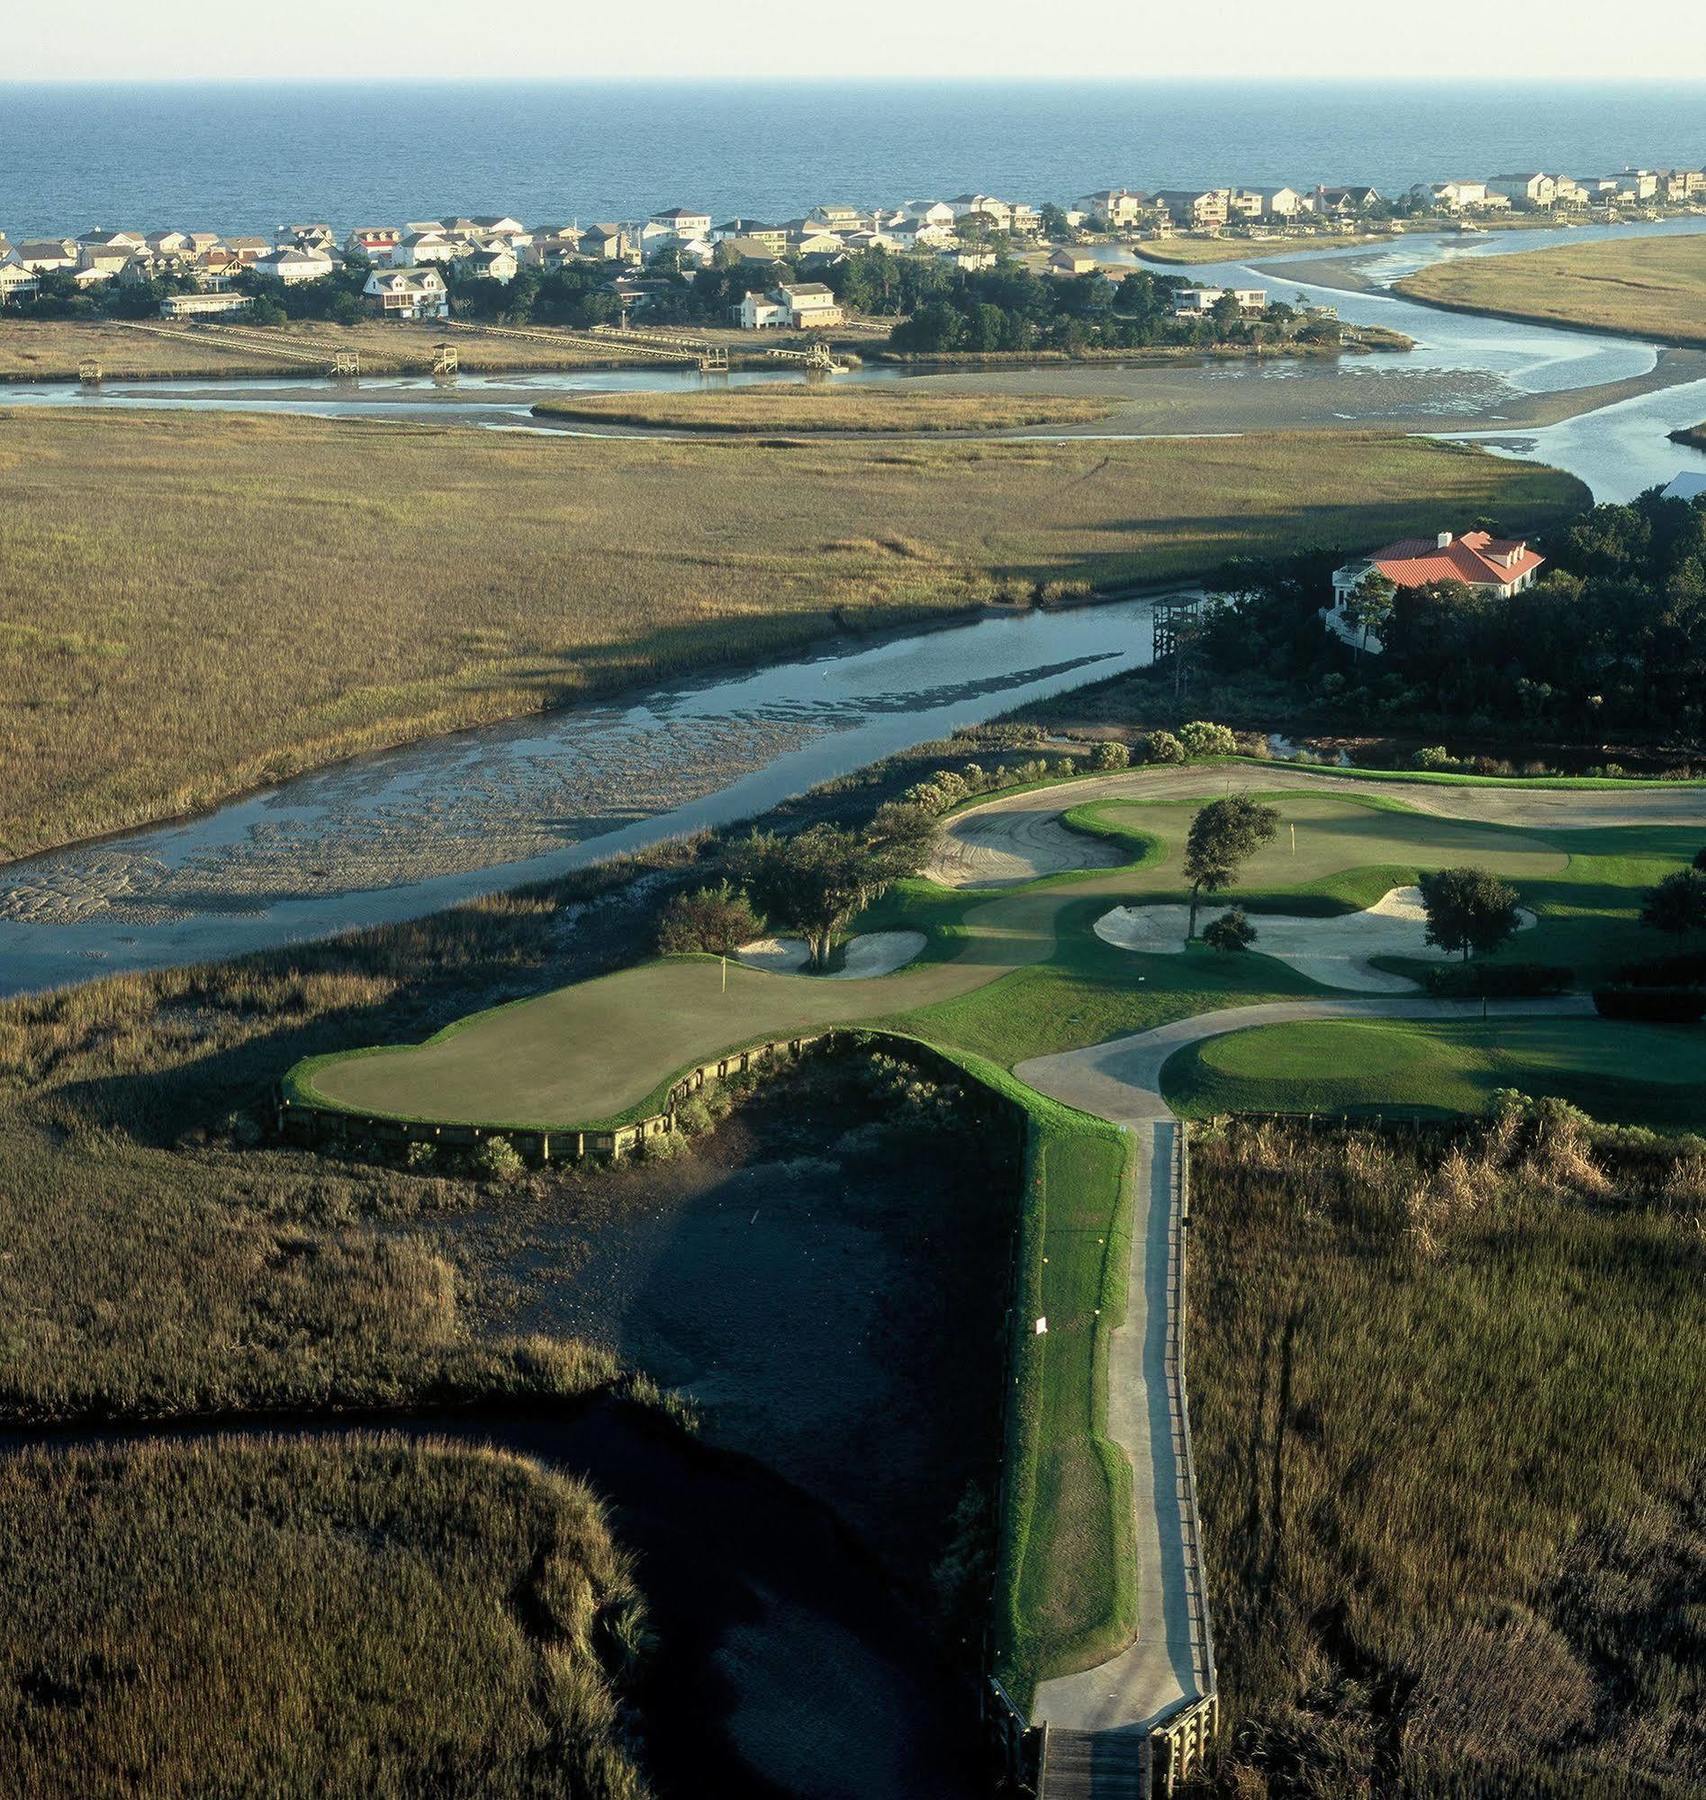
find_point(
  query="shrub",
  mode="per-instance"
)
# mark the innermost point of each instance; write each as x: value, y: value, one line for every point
x: 1655, y: 1005
x: 716, y: 920
x: 1433, y: 756
x: 1688, y: 969
x: 1110, y: 755
x: 1201, y: 737
x: 419, y: 1155
x: 1230, y: 932
x: 1163, y: 747
x: 497, y: 1159
x: 693, y: 1116
x: 1063, y: 593
x: 1498, y: 981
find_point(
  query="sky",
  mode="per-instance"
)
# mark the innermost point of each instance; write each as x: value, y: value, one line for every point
x: 85, y: 40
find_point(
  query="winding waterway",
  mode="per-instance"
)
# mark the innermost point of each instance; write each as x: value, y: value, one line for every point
x: 406, y: 833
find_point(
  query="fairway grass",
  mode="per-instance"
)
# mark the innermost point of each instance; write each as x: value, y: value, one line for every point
x: 900, y: 407
x: 1007, y: 978
x: 1002, y: 978
x: 199, y: 604
x: 1646, y: 287
x: 1640, y: 1074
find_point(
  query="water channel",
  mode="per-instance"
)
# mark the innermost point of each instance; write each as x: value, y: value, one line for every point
x: 408, y: 832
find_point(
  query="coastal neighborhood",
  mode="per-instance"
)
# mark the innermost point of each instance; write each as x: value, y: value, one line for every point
x: 421, y: 268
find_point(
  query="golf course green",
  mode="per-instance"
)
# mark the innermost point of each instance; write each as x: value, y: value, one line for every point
x: 1017, y: 971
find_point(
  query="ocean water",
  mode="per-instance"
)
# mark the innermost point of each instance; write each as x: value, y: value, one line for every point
x: 246, y: 157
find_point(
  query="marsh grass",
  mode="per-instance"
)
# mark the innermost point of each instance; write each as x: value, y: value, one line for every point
x: 363, y: 1615
x: 156, y: 1263
x: 1652, y: 287
x: 899, y: 408
x: 1450, y: 1428
x: 193, y: 605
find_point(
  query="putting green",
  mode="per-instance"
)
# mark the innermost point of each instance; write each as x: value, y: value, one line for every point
x: 604, y: 1051
x: 1641, y: 1074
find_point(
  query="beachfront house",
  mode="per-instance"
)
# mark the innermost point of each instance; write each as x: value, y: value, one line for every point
x: 375, y: 242
x: 407, y: 293
x: 930, y: 212
x: 1530, y: 192
x: 835, y: 218
x: 1346, y: 202
x: 1194, y: 209
x: 1477, y: 559
x: 1451, y: 196
x: 1112, y: 209
x: 293, y: 264
x: 771, y: 238
x: 41, y: 254
x: 17, y: 282
x: 681, y: 224
x: 998, y: 214
x: 1284, y: 203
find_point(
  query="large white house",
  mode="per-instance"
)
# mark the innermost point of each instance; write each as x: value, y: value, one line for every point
x: 408, y: 293
x: 1477, y: 560
x: 292, y: 265
x: 802, y: 306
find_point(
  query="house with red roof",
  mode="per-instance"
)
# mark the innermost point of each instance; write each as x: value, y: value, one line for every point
x: 1504, y: 566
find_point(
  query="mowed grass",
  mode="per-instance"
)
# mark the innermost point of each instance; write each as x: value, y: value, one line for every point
x: 1648, y: 287
x: 359, y: 1616
x: 1640, y: 1074
x: 1449, y: 1418
x: 1066, y: 1594
x: 195, y: 604
x: 1007, y: 978
x: 901, y: 407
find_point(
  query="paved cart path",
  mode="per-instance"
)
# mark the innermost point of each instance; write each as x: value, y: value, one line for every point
x: 1165, y: 1665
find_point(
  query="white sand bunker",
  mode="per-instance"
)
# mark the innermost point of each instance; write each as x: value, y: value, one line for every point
x: 1337, y: 952
x: 876, y: 953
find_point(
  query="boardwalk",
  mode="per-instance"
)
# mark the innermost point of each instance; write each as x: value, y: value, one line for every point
x: 1099, y: 1720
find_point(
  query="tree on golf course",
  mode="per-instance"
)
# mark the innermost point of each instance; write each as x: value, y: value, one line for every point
x: 1224, y: 835
x: 1677, y: 904
x: 1230, y: 932
x: 815, y: 881
x: 717, y: 920
x: 1700, y: 860
x: 1469, y: 911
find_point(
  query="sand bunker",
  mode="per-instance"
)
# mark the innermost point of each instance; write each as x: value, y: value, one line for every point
x: 876, y: 953
x: 1337, y: 952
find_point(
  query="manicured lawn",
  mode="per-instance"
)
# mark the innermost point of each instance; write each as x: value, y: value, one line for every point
x: 1021, y: 974
x: 1639, y: 1074
x: 1066, y: 1592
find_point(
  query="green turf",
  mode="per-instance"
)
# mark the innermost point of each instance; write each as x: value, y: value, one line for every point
x: 1021, y: 973
x: 1639, y: 1074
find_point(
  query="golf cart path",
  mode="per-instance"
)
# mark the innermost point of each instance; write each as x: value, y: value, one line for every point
x: 1165, y: 1666
x: 1008, y: 840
